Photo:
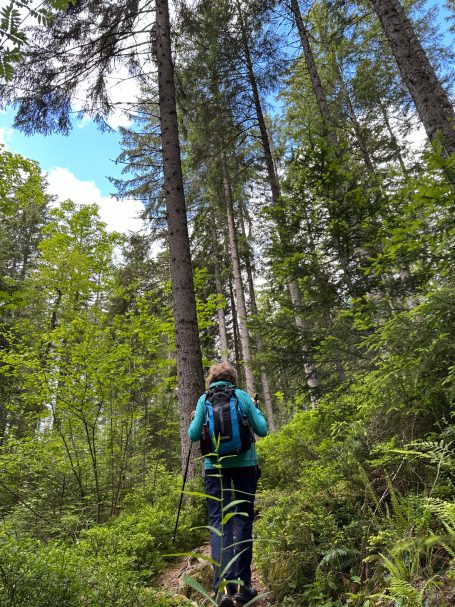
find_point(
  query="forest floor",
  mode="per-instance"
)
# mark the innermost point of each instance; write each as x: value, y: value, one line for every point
x: 171, y: 579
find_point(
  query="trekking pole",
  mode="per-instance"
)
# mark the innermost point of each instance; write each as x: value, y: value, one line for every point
x: 181, y: 494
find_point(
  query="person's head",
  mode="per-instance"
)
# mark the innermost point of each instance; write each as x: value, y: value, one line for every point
x: 222, y: 372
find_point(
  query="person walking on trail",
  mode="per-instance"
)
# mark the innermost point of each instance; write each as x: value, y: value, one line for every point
x: 236, y: 480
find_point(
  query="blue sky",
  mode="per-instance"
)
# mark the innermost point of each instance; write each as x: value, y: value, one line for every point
x: 88, y: 151
x: 78, y: 165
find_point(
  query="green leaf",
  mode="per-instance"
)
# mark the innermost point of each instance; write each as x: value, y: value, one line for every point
x: 227, y: 517
x: 233, y: 559
x: 234, y: 503
x: 213, y: 529
x: 256, y: 599
x: 190, y: 581
x: 200, y: 494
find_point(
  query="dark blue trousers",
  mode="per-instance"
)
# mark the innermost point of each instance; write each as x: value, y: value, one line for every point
x: 236, y: 540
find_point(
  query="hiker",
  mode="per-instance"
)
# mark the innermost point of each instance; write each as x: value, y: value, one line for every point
x: 240, y: 474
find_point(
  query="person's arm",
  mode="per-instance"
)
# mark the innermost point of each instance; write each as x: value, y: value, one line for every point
x: 257, y: 420
x: 195, y: 429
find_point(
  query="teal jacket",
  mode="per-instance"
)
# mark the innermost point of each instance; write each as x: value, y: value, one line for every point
x: 255, y: 417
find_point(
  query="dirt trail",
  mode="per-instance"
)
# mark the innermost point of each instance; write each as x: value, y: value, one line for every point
x: 171, y: 579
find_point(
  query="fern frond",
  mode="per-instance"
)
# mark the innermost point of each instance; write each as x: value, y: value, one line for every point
x: 338, y: 553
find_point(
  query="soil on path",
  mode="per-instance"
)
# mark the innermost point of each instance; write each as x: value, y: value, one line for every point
x: 171, y: 579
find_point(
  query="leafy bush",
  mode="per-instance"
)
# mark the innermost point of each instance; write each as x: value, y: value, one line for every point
x: 37, y: 576
x: 108, y: 565
x: 346, y: 505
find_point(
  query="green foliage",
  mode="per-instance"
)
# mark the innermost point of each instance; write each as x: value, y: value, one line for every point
x: 54, y: 575
x: 14, y: 39
x: 346, y: 502
x: 108, y: 565
x: 89, y: 430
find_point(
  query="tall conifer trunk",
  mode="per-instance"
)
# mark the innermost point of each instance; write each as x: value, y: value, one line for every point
x: 190, y: 373
x: 328, y: 125
x: 271, y: 172
x: 361, y: 142
x: 309, y: 367
x: 270, y: 165
x: 431, y: 100
x: 235, y: 330
x: 318, y: 89
x: 224, y: 350
x: 245, y: 340
x: 260, y: 346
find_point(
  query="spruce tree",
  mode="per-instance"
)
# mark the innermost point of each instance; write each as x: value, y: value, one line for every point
x: 188, y: 349
x: 429, y: 96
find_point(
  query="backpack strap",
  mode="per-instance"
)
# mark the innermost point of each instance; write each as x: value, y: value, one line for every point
x: 211, y: 391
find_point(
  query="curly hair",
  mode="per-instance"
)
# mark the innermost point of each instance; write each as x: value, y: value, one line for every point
x: 221, y: 372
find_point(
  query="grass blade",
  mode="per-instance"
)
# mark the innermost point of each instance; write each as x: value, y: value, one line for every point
x: 213, y: 529
x: 190, y: 581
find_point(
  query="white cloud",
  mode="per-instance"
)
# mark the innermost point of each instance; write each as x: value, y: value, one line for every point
x: 416, y: 138
x: 118, y: 215
x: 124, y: 92
x: 5, y: 136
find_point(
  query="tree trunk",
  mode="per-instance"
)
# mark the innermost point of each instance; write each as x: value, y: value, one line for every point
x: 271, y: 172
x: 224, y: 350
x: 309, y: 366
x: 314, y: 74
x: 188, y: 349
x: 3, y: 418
x: 260, y: 346
x: 235, y: 329
x: 367, y: 160
x: 328, y: 125
x: 245, y: 340
x: 430, y: 98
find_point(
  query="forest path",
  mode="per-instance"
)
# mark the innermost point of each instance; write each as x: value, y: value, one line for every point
x: 171, y: 579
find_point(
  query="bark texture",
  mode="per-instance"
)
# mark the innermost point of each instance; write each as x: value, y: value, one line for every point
x: 361, y: 142
x: 309, y: 366
x: 431, y: 100
x: 271, y: 171
x: 235, y: 330
x: 188, y: 350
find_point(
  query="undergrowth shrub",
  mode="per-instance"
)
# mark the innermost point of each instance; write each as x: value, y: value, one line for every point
x: 35, y: 574
x: 143, y: 532
x: 108, y: 565
x: 351, y: 488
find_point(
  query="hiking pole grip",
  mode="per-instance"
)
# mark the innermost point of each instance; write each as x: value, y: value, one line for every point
x: 181, y: 493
